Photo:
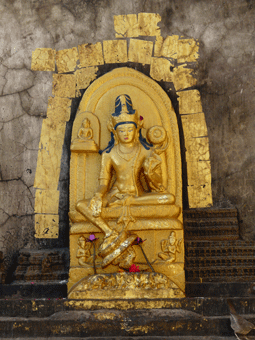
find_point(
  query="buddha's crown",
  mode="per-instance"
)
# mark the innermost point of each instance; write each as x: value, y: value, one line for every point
x: 124, y: 112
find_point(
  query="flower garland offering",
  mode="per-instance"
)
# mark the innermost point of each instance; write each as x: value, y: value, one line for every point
x: 138, y: 241
x: 92, y: 238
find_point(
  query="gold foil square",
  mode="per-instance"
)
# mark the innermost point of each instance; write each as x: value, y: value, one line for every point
x: 160, y: 69
x: 43, y: 59
x: 166, y: 48
x: 126, y: 26
x: 46, y: 226
x: 59, y: 109
x: 189, y: 102
x: 91, y: 55
x: 115, y: 51
x: 146, y: 24
x: 140, y: 51
x: 64, y: 85
x: 67, y: 60
x: 197, y: 149
x: 183, y: 78
x: 46, y: 201
x: 187, y: 50
x: 200, y: 196
x: 85, y: 76
x: 194, y: 125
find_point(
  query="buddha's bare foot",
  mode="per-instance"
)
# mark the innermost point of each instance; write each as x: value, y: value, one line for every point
x: 111, y: 235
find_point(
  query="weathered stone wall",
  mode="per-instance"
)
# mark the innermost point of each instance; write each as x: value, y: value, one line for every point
x: 225, y: 79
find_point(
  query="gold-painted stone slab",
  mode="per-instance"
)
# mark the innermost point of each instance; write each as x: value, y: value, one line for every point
x: 197, y: 149
x: 183, y: 78
x: 160, y: 69
x: 199, y: 172
x: 46, y: 201
x: 131, y: 25
x: 140, y: 51
x: 187, y: 50
x: 85, y: 76
x: 200, y: 196
x: 91, y: 55
x: 126, y: 26
x: 59, y: 110
x: 46, y: 226
x: 43, y: 59
x: 189, y: 102
x: 194, y: 125
x: 115, y: 51
x: 166, y: 48
x: 63, y: 85
x: 49, y: 155
x: 148, y: 23
x: 67, y: 60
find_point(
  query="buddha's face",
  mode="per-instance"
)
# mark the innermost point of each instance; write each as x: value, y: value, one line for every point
x: 126, y: 133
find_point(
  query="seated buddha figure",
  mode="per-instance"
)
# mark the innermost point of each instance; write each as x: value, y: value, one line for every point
x: 84, y: 140
x: 128, y: 154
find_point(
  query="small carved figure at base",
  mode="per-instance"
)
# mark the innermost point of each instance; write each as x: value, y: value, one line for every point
x: 170, y: 247
x: 83, y: 253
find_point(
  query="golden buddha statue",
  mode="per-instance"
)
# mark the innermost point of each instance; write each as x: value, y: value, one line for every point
x: 127, y: 157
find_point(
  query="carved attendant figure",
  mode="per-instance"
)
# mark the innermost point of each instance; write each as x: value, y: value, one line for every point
x: 83, y: 253
x: 170, y: 247
x: 129, y: 155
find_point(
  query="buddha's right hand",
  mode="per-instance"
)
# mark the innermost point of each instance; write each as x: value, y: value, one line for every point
x: 96, y: 205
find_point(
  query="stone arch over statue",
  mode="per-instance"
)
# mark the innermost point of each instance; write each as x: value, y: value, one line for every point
x: 159, y: 224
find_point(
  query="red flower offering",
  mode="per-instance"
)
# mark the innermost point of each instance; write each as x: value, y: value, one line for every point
x: 134, y: 269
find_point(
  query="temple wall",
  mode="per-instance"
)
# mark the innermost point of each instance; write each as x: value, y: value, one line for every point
x: 219, y: 67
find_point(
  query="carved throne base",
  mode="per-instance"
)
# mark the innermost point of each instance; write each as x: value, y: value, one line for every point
x: 125, y: 286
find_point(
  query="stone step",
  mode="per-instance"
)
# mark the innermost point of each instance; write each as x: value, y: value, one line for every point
x: 101, y: 323
x: 219, y: 273
x: 136, y: 338
x: 208, y: 261
x: 219, y: 289
x: 204, y: 306
x: 203, y: 248
x: 199, y: 213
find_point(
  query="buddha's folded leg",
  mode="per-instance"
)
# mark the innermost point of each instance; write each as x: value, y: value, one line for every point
x: 153, y: 198
x: 82, y: 207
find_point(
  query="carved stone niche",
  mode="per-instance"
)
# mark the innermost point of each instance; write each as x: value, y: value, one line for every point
x: 153, y: 213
